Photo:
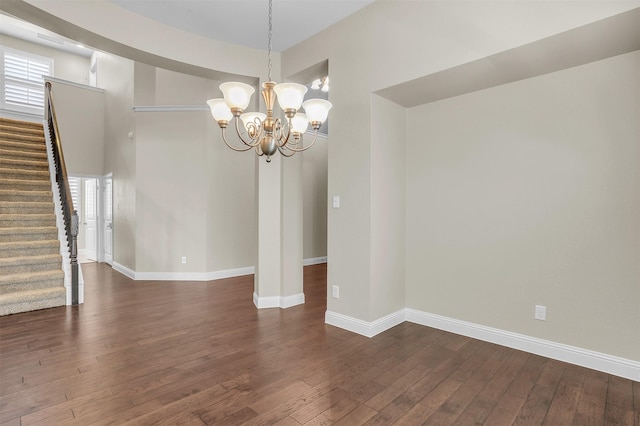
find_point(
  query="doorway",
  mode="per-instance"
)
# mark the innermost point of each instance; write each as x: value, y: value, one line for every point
x: 92, y: 198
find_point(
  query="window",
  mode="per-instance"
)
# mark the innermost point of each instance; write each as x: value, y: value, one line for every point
x: 22, y: 80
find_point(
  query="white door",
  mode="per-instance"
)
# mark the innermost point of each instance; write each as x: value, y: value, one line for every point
x: 108, y: 220
x: 90, y: 217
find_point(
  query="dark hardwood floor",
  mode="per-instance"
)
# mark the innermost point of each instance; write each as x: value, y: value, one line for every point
x: 196, y: 353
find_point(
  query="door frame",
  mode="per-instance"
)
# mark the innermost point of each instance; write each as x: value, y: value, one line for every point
x: 102, y: 207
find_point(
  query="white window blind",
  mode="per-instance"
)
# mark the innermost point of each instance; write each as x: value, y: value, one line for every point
x: 23, y: 79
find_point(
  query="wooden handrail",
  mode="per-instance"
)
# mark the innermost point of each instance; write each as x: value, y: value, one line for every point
x: 70, y: 214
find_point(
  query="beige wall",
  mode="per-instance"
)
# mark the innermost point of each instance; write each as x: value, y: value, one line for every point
x: 194, y: 196
x: 66, y: 66
x: 116, y: 76
x: 80, y: 116
x: 434, y: 36
x: 529, y: 193
x: 388, y: 206
x: 314, y: 172
x: 171, y: 182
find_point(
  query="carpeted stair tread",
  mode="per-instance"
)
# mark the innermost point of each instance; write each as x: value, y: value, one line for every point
x: 36, y: 277
x: 23, y: 146
x: 30, y: 233
x: 31, y: 300
x: 14, y: 134
x: 18, y: 137
x: 20, y: 124
x: 42, y: 175
x: 26, y: 248
x: 36, y: 129
x: 29, y: 264
x: 27, y: 155
x: 18, y: 195
x: 26, y: 207
x: 27, y: 220
x: 23, y: 164
x: 24, y: 185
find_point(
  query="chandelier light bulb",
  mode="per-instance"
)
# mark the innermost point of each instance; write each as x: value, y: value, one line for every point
x: 299, y: 123
x: 290, y: 95
x: 237, y: 95
x: 315, y: 85
x: 317, y: 110
x: 220, y: 110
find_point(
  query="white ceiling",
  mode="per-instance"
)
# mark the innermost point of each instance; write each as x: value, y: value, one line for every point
x: 245, y: 22
x: 242, y: 22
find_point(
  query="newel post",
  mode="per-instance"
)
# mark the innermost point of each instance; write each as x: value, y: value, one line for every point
x: 74, y: 257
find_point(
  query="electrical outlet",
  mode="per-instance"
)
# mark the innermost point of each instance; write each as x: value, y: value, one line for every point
x: 336, y: 202
x: 184, y: 259
x: 335, y: 292
x: 541, y: 313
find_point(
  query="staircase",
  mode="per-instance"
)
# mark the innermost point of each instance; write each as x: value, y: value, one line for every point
x: 31, y: 275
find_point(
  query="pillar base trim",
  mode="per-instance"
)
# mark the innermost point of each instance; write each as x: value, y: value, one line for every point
x: 278, y: 301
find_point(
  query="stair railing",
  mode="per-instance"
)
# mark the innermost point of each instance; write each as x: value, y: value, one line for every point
x: 70, y: 215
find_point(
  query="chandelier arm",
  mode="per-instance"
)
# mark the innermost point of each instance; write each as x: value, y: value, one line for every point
x: 277, y: 131
x: 224, y: 138
x: 284, y: 151
x: 254, y: 142
x: 283, y: 140
x: 304, y: 148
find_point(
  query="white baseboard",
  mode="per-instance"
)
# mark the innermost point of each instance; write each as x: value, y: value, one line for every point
x: 130, y: 273
x: 368, y: 329
x: 610, y: 364
x: 278, y: 301
x: 199, y: 276
x: 183, y: 276
x: 586, y: 358
x: 230, y: 273
x: 314, y: 261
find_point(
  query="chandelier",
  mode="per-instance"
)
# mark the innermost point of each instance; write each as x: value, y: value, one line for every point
x: 263, y: 132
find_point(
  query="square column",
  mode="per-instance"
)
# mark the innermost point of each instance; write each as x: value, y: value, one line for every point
x: 278, y: 278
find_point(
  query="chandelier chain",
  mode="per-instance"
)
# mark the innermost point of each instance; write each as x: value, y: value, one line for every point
x: 270, y: 31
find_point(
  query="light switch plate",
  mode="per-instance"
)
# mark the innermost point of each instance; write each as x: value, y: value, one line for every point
x: 541, y: 313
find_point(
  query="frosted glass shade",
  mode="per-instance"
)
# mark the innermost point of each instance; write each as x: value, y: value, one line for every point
x: 299, y: 123
x: 250, y: 117
x: 290, y: 95
x: 220, y: 110
x: 237, y: 95
x: 317, y: 109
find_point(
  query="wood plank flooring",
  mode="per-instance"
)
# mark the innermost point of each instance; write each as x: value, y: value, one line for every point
x: 194, y: 353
